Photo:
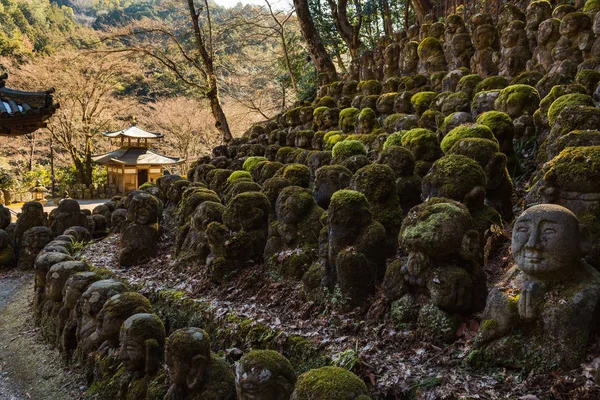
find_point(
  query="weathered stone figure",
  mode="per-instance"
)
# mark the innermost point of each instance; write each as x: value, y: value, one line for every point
x: 264, y: 375
x: 553, y: 299
x: 536, y: 13
x: 195, y: 372
x: 354, y: 259
x: 7, y: 255
x: 548, y: 34
x: 338, y: 383
x: 115, y: 311
x: 68, y: 214
x: 515, y: 50
x: 142, y: 339
x: 140, y: 238
x: 32, y: 242
x: 32, y: 214
x: 440, y: 281
x: 486, y: 58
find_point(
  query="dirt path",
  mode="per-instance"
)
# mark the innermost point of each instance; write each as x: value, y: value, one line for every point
x: 29, y: 368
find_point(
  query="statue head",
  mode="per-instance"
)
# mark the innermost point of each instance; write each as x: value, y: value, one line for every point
x: 142, y: 340
x: 188, y: 356
x: 94, y: 297
x: 294, y: 204
x: 76, y: 285
x: 116, y: 310
x: 264, y: 375
x: 513, y: 35
x: 537, y: 12
x: 548, y: 31
x: 484, y: 37
x: 58, y: 275
x: 143, y: 209
x: 574, y: 23
x: 549, y: 242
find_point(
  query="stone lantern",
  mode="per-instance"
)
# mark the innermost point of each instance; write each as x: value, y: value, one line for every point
x: 38, y: 191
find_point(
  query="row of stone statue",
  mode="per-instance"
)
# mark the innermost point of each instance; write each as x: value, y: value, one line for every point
x: 112, y: 332
x: 540, y: 39
x: 21, y: 241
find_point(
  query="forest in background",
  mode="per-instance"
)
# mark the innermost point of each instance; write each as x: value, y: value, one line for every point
x: 117, y: 63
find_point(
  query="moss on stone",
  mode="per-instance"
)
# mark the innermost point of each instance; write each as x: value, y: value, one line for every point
x: 371, y: 87
x: 395, y: 139
x: 326, y: 101
x: 466, y: 131
x: 500, y: 124
x: 468, y: 84
x: 329, y: 383
x: 422, y: 143
x: 348, y: 117
x: 428, y: 44
x: 591, y: 6
x: 575, y: 169
x: 348, y: 148
x: 252, y: 162
x: 517, y: 100
x: 567, y: 100
x: 421, y: 101
x: 491, y: 83
x: 239, y: 175
x: 390, y: 122
x: 530, y: 78
x: 454, y: 176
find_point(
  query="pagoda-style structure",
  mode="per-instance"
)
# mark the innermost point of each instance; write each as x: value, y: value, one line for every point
x: 133, y: 164
x: 23, y: 112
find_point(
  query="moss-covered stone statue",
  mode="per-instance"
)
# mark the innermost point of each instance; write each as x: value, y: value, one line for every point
x: 408, y: 184
x: 542, y: 313
x: 355, y: 259
x: 462, y: 179
x: 140, y: 239
x: 328, y: 180
x: 264, y: 375
x: 486, y: 57
x: 68, y: 214
x: 195, y: 372
x: 92, y: 301
x: 431, y: 56
x: 142, y: 339
x: 31, y: 244
x: 514, y: 52
x: 195, y: 248
x: 377, y: 183
x: 440, y: 282
x: 242, y: 236
x: 32, y: 214
x: 72, y: 292
x: 51, y: 325
x: 294, y: 237
x: 330, y: 383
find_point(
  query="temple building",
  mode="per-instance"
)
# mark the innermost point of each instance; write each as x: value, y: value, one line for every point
x: 133, y: 164
x: 23, y: 112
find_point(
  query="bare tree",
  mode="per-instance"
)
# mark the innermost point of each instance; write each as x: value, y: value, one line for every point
x: 86, y: 84
x: 194, y: 66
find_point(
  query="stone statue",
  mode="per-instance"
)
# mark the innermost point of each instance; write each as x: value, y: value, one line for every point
x: 68, y: 214
x: 32, y: 214
x: 7, y: 255
x: 486, y: 58
x: 515, y: 50
x: 294, y: 237
x: 409, y: 59
x: 354, y: 259
x: 341, y: 383
x: 142, y: 339
x: 31, y: 243
x: 194, y: 371
x: 440, y: 281
x: 544, y: 310
x: 536, y: 13
x: 431, y: 57
x: 458, y: 48
x: 139, y: 240
x: 548, y: 34
x: 264, y: 375
x: 115, y: 311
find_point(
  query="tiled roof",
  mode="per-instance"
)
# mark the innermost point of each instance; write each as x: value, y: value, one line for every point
x: 134, y: 132
x: 23, y: 112
x: 134, y: 156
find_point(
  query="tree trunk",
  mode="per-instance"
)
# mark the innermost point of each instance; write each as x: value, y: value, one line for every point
x: 386, y: 15
x: 422, y: 8
x: 322, y: 61
x: 348, y: 32
x: 213, y: 93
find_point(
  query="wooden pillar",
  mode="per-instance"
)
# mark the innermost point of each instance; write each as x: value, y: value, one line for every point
x: 123, y: 179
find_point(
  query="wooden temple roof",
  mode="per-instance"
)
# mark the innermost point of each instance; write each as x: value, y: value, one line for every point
x: 23, y: 112
x: 135, y: 133
x: 134, y: 156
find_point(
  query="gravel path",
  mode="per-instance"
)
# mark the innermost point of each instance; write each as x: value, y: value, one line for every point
x: 29, y: 368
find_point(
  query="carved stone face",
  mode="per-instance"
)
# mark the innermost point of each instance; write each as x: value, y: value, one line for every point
x: 138, y: 332
x: 546, y: 240
x: 513, y: 35
x: 574, y: 23
x: 187, y: 357
x: 116, y: 310
x: 484, y: 37
x: 548, y: 32
x: 143, y: 209
x: 131, y: 352
x: 537, y: 12
x: 330, y: 118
